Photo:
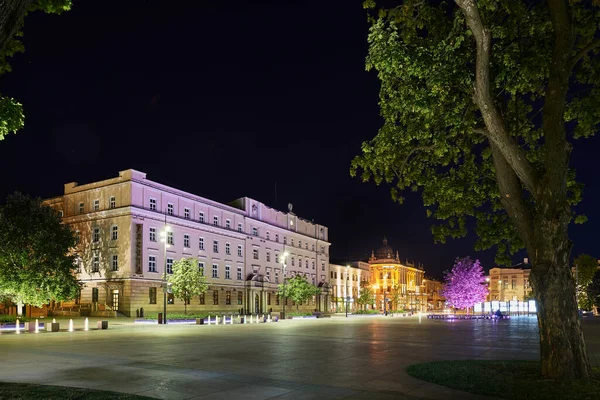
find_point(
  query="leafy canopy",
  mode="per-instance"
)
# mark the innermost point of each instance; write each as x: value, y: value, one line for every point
x: 187, y: 280
x: 365, y: 297
x: 586, y: 266
x: 465, y: 284
x: 433, y: 137
x: 12, y: 117
x: 298, y: 289
x: 36, y: 264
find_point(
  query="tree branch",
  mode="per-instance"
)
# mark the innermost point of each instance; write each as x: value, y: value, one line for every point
x: 581, y: 53
x: 496, y: 129
x: 511, y: 196
x: 413, y: 151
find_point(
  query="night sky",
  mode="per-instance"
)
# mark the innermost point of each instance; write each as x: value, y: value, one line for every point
x: 224, y: 100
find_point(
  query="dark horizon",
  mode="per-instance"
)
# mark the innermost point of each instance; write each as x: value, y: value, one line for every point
x: 227, y: 100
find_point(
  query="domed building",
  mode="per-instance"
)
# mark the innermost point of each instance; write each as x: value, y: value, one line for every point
x: 396, y: 285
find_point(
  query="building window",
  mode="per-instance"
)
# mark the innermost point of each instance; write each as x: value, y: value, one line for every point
x: 268, y: 274
x: 215, y: 246
x: 240, y: 227
x: 170, y: 209
x: 112, y: 203
x: 201, y: 216
x: 215, y: 298
x: 255, y: 254
x: 277, y: 237
x: 239, y: 273
x: 114, y: 233
x: 239, y: 250
x: 94, y: 295
x: 201, y: 298
x: 276, y: 299
x: 60, y: 213
x: 228, y: 298
x: 306, y: 246
x: 228, y: 272
x: 313, y: 247
x: 268, y: 298
x: 186, y: 213
x: 169, y: 265
x: 186, y: 241
x: 254, y: 231
x: 170, y: 239
x: 151, y: 263
x: 514, y: 284
x: 292, y: 261
x: 313, y: 264
x: 300, y: 243
x: 81, y: 208
x: 115, y: 262
x: 216, y: 221
x: 322, y: 266
x: 292, y: 241
x: 152, y: 204
x: 307, y: 264
x: 152, y: 295
x: 201, y: 243
x: 96, y: 263
x: 276, y: 276
x: 153, y: 234
x: 331, y: 273
x: 268, y: 257
x: 228, y: 223
x: 268, y: 236
x: 240, y: 298
x: 96, y: 235
x: 201, y: 267
x: 215, y: 271
x: 96, y: 205
x: 284, y: 240
x: 227, y: 248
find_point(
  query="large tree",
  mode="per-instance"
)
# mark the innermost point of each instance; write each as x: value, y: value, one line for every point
x: 187, y: 280
x: 481, y: 101
x: 298, y: 289
x: 465, y: 284
x: 12, y: 16
x: 366, y: 296
x: 36, y: 261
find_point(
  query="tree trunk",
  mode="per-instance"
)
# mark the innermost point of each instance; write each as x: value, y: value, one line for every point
x: 19, y: 308
x: 185, y: 307
x: 12, y: 13
x: 562, y: 346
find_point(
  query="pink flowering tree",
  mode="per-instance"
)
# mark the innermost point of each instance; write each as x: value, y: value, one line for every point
x: 465, y: 284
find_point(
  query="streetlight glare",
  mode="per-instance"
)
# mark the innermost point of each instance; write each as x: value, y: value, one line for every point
x: 285, y: 254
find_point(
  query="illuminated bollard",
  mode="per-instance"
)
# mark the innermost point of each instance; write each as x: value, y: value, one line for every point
x: 208, y: 319
x: 86, y: 325
x: 70, y: 325
x: 37, y: 326
x: 17, y: 326
x: 53, y: 320
x: 224, y: 319
x: 269, y: 318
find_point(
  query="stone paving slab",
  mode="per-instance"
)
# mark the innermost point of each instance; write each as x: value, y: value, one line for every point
x: 354, y: 358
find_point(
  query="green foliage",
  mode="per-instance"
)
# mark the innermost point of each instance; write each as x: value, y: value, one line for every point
x: 593, y: 290
x: 369, y: 312
x: 187, y: 280
x: 170, y: 315
x: 7, y: 318
x: 366, y: 295
x: 36, y: 264
x: 298, y: 289
x: 12, y: 117
x: 298, y: 314
x: 431, y: 139
x: 586, y: 266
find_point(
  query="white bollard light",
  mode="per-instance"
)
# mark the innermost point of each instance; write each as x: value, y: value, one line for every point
x: 37, y: 326
x: 86, y: 325
x: 53, y: 320
x: 70, y: 325
x: 17, y: 326
x: 209, y: 319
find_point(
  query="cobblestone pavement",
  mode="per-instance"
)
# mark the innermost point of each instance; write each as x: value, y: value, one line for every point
x: 354, y: 358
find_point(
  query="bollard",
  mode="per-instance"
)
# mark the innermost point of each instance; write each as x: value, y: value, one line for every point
x: 208, y: 320
x: 17, y: 326
x: 70, y: 325
x: 53, y: 320
x: 269, y: 319
x: 224, y: 319
x: 86, y: 325
x: 37, y: 326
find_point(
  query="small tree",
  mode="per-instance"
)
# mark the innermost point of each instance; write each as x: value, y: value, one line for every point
x: 593, y: 289
x: 585, y: 267
x: 396, y: 296
x: 187, y: 280
x: 366, y: 294
x: 36, y: 264
x: 298, y: 289
x: 465, y: 284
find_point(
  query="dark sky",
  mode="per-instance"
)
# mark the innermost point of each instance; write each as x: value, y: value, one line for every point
x: 223, y: 99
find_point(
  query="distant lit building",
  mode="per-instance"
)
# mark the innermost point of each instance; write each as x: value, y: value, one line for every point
x: 396, y: 282
x: 122, y: 225
x: 509, y: 284
x: 435, y: 299
x: 345, y: 284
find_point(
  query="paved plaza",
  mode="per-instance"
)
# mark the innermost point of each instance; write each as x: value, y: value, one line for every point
x: 354, y: 358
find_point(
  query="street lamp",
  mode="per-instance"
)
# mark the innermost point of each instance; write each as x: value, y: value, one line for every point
x: 164, y: 237
x: 283, y: 257
x: 347, y: 279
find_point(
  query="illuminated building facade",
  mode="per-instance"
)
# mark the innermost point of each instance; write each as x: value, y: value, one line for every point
x: 123, y: 223
x: 435, y: 299
x: 345, y: 284
x: 509, y: 284
x: 396, y: 285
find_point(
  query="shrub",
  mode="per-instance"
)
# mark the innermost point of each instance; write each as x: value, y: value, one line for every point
x: 298, y: 314
x: 367, y: 312
x: 154, y: 316
x: 4, y: 318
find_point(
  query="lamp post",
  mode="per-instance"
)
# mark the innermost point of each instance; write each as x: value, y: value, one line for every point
x: 347, y: 279
x: 284, y: 265
x: 165, y: 235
